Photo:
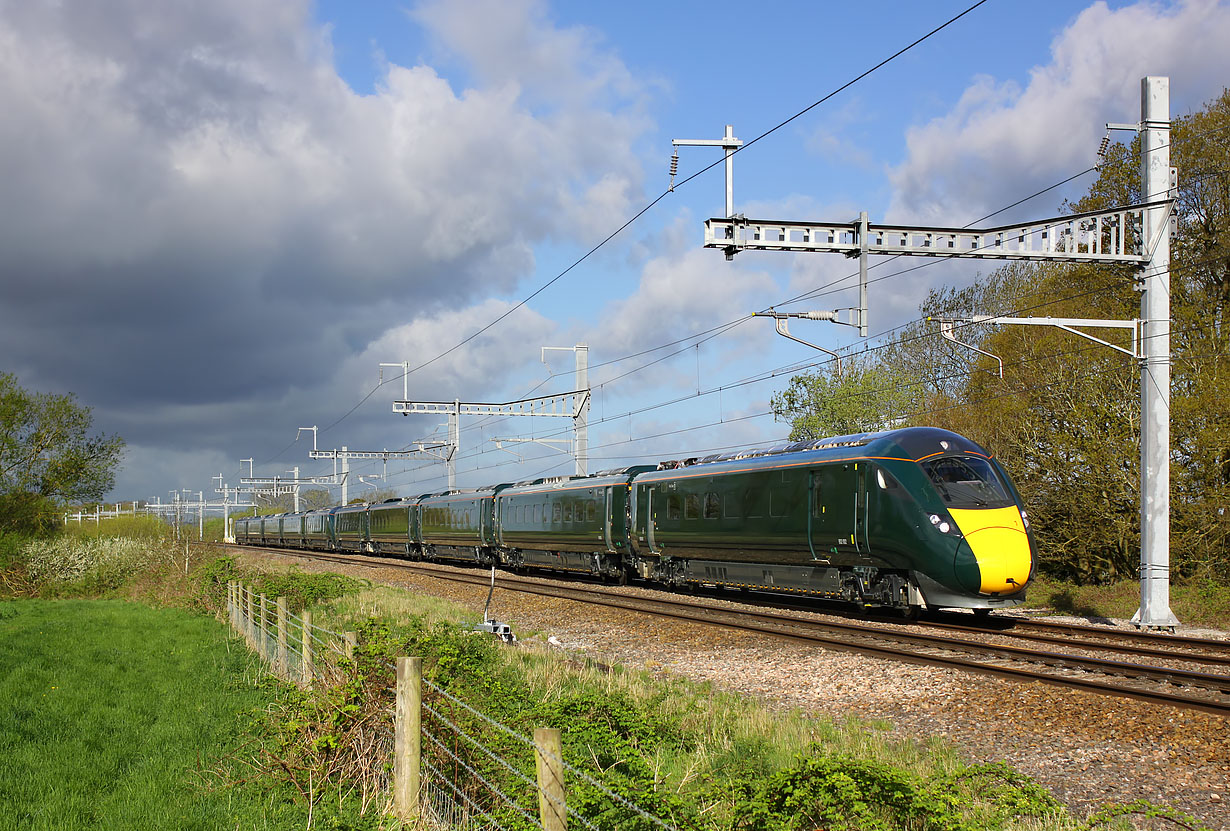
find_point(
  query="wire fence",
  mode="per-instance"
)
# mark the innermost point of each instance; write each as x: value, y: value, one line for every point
x: 453, y: 767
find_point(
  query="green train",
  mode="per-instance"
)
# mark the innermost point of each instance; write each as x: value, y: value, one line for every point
x: 904, y: 519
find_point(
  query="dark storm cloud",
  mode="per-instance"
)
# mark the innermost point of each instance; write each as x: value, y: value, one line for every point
x: 201, y: 223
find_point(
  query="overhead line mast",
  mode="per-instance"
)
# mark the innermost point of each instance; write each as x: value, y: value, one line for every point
x: 1136, y: 234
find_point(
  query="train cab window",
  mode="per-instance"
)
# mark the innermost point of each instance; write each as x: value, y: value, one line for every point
x: 691, y: 506
x: 567, y: 512
x: 674, y: 506
x: 885, y: 480
x: 713, y: 505
x: 967, y: 482
x: 591, y: 511
x: 556, y: 512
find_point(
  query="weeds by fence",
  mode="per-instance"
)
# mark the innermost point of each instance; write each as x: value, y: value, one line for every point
x: 442, y: 763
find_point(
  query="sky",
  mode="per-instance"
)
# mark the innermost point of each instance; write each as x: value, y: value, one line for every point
x: 218, y: 219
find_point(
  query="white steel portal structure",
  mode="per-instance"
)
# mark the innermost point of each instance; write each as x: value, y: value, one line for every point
x: 573, y: 405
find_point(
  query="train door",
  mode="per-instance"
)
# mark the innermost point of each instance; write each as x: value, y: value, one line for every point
x: 861, y: 509
x: 608, y: 514
x: 837, y: 513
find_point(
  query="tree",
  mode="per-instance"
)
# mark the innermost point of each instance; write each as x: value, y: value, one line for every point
x: 867, y: 396
x: 47, y: 456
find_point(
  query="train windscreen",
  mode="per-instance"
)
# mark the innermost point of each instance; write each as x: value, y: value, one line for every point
x: 967, y: 482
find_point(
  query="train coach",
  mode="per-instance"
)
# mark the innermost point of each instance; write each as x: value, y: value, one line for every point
x: 902, y: 519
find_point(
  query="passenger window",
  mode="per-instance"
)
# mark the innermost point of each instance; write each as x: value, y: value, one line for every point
x: 691, y: 506
x: 591, y: 511
x: 713, y: 505
x: 567, y: 512
x: 674, y: 506
x: 752, y: 502
x: 732, y: 506
x: 555, y: 512
x: 779, y: 502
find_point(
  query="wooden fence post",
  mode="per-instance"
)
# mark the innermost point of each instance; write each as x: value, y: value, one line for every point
x: 408, y: 739
x: 230, y: 602
x: 263, y: 629
x: 352, y: 640
x: 549, y: 760
x: 247, y: 616
x: 283, y: 654
x: 308, y: 672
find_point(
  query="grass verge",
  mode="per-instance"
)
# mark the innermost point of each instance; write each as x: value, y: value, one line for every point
x: 116, y: 715
x: 1199, y: 601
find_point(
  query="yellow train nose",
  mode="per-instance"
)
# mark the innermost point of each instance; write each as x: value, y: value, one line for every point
x: 996, y: 537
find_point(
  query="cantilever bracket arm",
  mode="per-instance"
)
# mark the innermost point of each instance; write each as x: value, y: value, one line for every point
x: 946, y: 327
x: 562, y: 445
x: 1070, y: 324
x: 1067, y: 324
x: 780, y: 319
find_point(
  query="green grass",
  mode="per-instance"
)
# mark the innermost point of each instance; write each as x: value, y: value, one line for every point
x: 138, y: 526
x: 1199, y: 601
x: 115, y: 715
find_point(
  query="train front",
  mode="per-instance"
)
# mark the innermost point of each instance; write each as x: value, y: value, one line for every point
x: 980, y: 523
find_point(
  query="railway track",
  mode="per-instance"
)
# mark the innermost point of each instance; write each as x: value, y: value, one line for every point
x: 1195, y: 673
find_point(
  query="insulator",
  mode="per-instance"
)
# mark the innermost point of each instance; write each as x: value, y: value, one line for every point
x: 675, y: 164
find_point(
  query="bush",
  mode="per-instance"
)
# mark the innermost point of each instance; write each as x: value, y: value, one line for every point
x: 65, y: 566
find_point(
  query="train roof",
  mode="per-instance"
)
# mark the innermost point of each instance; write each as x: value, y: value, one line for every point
x: 594, y: 480
x: 906, y: 443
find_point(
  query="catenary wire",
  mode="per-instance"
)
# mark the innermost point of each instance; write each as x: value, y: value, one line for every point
x: 650, y: 205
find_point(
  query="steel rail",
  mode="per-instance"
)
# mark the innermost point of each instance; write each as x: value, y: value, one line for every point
x: 1185, y: 641
x: 1106, y: 640
x: 698, y: 613
x: 1215, y: 652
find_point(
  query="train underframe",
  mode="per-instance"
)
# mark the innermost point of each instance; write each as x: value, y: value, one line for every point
x: 904, y: 591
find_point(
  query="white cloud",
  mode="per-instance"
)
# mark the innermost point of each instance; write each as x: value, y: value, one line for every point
x: 490, y: 365
x: 1001, y: 142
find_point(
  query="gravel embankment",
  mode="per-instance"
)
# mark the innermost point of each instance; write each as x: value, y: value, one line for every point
x: 1088, y: 749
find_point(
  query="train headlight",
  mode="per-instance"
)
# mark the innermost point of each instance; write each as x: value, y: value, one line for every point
x: 939, y: 523
x: 1025, y: 519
